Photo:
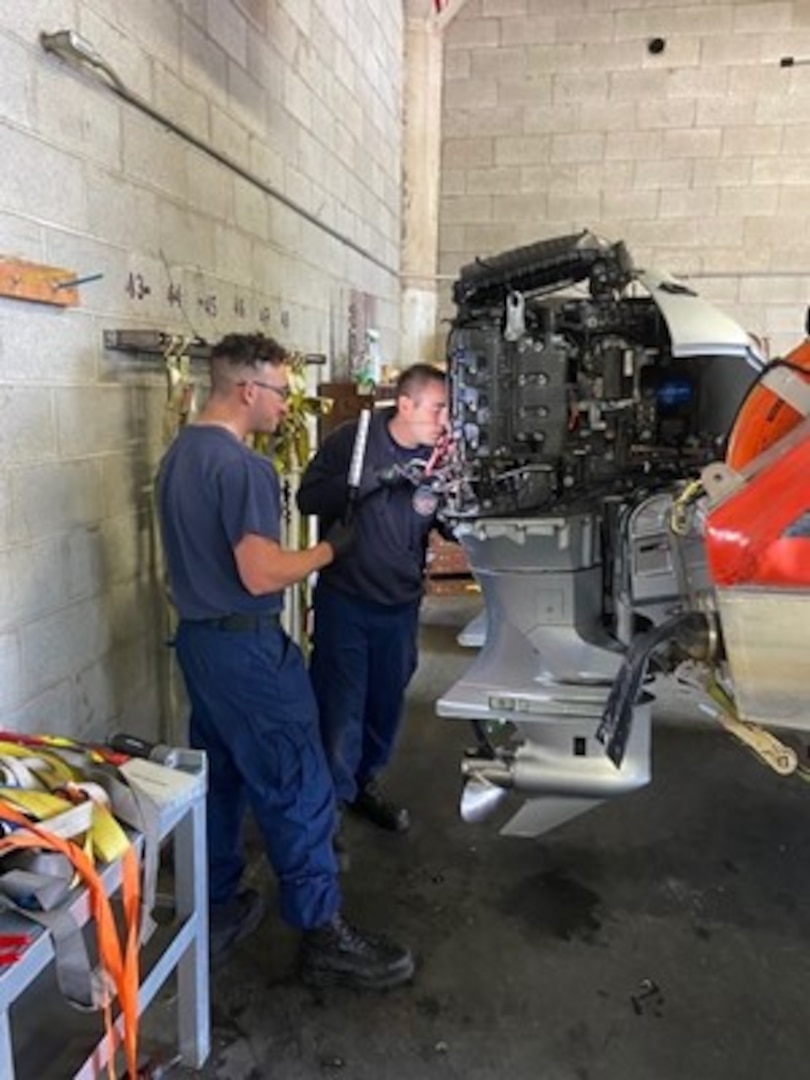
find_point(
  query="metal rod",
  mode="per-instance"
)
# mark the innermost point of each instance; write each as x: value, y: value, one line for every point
x: 75, y: 282
x: 78, y: 52
x: 357, y: 461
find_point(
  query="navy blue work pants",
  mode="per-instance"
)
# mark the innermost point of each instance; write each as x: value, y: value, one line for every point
x: 254, y: 714
x: 364, y: 655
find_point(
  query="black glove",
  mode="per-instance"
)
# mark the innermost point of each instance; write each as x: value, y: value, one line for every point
x: 390, y: 477
x: 374, y: 479
x: 341, y: 537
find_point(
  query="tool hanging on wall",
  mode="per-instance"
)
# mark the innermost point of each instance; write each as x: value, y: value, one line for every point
x: 181, y: 387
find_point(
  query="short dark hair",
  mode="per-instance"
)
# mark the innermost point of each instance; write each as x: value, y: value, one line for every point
x: 236, y: 353
x: 416, y: 378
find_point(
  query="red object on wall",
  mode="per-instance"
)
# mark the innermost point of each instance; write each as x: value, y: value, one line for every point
x: 760, y: 535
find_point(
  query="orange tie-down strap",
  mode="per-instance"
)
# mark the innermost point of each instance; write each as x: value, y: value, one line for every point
x: 119, y: 964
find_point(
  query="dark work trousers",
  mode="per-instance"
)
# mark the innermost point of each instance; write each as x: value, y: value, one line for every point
x: 364, y: 655
x: 254, y: 714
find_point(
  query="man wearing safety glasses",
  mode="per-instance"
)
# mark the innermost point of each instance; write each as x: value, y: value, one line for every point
x: 252, y: 706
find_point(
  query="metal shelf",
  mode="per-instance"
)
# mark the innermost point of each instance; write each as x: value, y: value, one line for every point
x: 33, y: 1015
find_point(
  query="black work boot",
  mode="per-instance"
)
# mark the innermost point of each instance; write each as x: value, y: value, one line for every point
x: 231, y: 922
x: 376, y: 808
x: 338, y: 955
x: 341, y: 847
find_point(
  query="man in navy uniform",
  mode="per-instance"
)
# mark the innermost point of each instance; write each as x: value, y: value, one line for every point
x: 252, y: 706
x: 366, y: 604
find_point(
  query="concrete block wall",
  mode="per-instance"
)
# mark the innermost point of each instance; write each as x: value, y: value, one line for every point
x: 557, y: 116
x: 305, y: 95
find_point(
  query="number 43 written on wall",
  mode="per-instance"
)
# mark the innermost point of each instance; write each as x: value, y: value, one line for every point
x: 136, y: 288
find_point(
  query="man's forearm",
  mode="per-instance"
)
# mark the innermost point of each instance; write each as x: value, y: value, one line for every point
x: 265, y: 567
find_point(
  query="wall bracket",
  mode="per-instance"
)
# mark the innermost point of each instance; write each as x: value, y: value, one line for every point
x: 156, y: 343
x: 22, y: 280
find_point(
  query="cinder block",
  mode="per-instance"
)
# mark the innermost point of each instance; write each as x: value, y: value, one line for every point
x: 693, y: 142
x: 186, y: 236
x: 634, y: 145
x: 771, y: 289
x: 597, y: 27
x: 117, y: 203
x: 663, y: 174
x: 84, y: 565
x: 27, y: 431
x: 16, y: 82
x: 587, y: 146
x: 698, y: 203
x: 498, y: 181
x: 630, y: 204
x: 504, y: 8
x: 791, y: 201
x: 33, y: 576
x: 153, y: 155
x: 784, y: 169
x: 203, y: 64
x: 734, y: 49
x: 740, y: 202
x: 608, y: 116
x: 51, y: 711
x: 667, y: 113
x: 580, y: 86
x: 721, y: 172
x: 497, y: 63
x: 98, y: 695
x: 728, y: 113
x: 210, y: 188
x: 578, y: 209
x: 780, y: 237
x: 760, y: 142
x: 542, y: 119
x: 181, y: 102
x: 472, y: 33
x: 56, y: 497
x: 538, y: 30
x: 93, y: 419
x: 11, y: 527
x: 484, y: 95
x: 10, y: 670
x: 765, y: 17
x: 228, y: 27
x: 453, y: 182
x: 604, y: 176
x: 41, y: 182
x: 522, y: 150
x: 45, y: 346
x: 533, y: 89
x: 469, y: 153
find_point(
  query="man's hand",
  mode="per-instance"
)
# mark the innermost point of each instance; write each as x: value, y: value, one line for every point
x: 340, y: 538
x: 390, y: 477
x: 375, y: 479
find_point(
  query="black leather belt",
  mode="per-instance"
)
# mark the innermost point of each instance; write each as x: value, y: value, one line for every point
x: 244, y: 623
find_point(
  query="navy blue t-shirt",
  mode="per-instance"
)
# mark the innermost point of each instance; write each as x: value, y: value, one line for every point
x: 212, y: 490
x: 386, y: 564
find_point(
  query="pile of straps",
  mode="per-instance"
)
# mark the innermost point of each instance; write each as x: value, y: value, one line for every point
x: 64, y: 806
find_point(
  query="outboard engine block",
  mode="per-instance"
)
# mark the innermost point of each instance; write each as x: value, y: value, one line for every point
x: 582, y: 393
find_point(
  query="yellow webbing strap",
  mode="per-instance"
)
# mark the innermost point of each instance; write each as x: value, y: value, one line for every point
x: 118, y: 961
x: 106, y: 834
x: 50, y: 769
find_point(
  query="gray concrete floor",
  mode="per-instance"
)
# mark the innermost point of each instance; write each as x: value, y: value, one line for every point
x: 663, y: 936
